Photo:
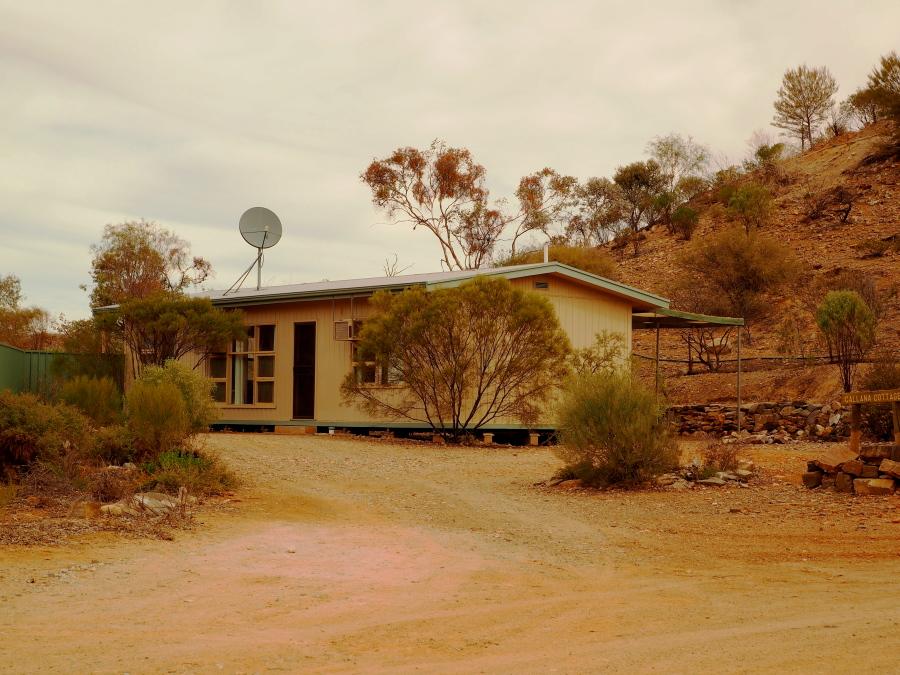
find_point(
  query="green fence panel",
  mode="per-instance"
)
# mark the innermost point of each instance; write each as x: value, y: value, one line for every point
x: 39, y: 372
x: 13, y: 368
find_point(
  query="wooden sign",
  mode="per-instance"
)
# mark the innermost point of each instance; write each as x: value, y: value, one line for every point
x: 882, y: 396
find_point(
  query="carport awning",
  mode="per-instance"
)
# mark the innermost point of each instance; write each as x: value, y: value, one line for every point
x: 671, y: 318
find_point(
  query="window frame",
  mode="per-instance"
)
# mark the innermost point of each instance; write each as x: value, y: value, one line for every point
x: 248, y: 348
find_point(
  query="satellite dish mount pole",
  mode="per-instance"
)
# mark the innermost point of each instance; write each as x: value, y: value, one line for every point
x: 259, y: 260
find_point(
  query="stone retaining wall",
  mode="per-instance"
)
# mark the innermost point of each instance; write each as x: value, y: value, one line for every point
x: 768, y: 422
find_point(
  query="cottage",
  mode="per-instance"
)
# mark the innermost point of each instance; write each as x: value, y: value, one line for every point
x: 300, y: 343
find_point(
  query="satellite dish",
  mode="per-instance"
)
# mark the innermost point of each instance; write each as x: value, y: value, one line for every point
x: 260, y: 227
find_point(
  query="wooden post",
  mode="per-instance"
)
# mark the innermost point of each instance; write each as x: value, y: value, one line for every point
x: 855, y: 432
x: 895, y: 410
x: 739, y: 380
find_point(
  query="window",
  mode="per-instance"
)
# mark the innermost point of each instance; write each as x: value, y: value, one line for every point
x: 366, y: 369
x: 245, y: 374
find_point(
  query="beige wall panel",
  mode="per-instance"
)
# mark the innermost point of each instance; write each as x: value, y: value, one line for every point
x: 582, y: 312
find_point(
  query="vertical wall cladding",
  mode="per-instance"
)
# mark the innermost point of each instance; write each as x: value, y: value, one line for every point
x: 332, y: 359
x: 583, y: 311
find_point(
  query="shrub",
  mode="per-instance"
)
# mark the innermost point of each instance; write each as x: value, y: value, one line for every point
x: 195, y: 388
x: 728, y: 273
x: 684, y: 221
x: 31, y: 430
x: 99, y: 399
x: 720, y: 457
x: 751, y: 205
x: 157, y: 417
x: 613, y: 430
x: 848, y: 326
x: 200, y: 473
x: 111, y: 485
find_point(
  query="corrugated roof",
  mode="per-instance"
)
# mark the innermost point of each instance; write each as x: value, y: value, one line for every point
x: 368, y: 285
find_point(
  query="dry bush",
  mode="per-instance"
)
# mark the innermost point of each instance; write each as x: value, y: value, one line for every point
x: 720, y: 457
x: 613, y: 430
x: 157, y: 418
x: 111, y: 484
x: 195, y: 388
x: 200, y: 472
x: 32, y: 430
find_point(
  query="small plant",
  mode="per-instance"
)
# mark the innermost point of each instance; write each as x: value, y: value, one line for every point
x: 114, y: 484
x: 613, y: 430
x: 720, y: 457
x: 684, y: 221
x: 751, y: 205
x: 157, y: 417
x: 98, y: 398
x: 199, y: 472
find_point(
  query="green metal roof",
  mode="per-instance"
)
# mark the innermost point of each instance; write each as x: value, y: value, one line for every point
x: 366, y: 286
x: 663, y: 317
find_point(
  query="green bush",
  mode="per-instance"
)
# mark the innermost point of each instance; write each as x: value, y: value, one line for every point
x: 195, y: 389
x: 156, y: 417
x: 98, y: 398
x: 613, y: 431
x: 200, y: 473
x: 684, y: 221
x: 31, y: 430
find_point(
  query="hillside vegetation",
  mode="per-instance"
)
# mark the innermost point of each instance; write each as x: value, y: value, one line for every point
x: 807, y: 221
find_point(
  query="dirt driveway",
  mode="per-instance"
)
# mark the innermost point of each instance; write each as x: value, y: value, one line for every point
x: 370, y: 556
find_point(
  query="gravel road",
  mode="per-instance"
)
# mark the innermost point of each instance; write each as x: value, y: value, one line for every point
x: 349, y: 555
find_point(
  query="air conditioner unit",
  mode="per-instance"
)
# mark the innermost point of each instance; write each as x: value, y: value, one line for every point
x: 343, y: 330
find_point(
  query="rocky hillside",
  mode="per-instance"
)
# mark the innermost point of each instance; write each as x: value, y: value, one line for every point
x: 868, y: 243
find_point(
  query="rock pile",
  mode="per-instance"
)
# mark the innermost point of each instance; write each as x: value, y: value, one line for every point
x: 874, y: 471
x: 148, y: 503
x: 765, y: 422
x: 693, y: 474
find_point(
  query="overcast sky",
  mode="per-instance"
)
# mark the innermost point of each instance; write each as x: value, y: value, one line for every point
x: 187, y: 113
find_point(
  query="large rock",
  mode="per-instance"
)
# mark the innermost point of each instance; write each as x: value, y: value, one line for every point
x: 157, y: 503
x: 834, y: 459
x: 854, y: 467
x: 890, y: 467
x: 812, y: 479
x: 869, y: 471
x: 876, y: 451
x: 716, y: 482
x: 874, y: 486
x: 843, y: 482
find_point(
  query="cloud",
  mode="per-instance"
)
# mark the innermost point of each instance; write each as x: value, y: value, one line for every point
x: 188, y: 113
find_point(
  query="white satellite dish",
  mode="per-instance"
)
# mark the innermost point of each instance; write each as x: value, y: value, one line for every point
x: 261, y: 229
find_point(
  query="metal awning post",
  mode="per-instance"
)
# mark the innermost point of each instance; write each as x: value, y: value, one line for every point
x: 656, y: 377
x: 739, y: 380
